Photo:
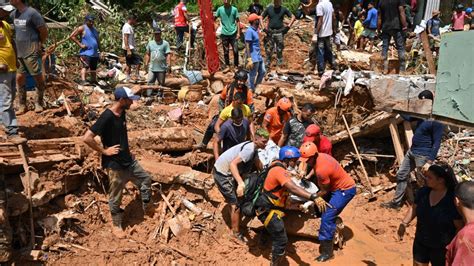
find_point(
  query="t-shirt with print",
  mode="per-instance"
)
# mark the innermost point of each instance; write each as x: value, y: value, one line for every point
x: 325, y: 9
x: 158, y: 53
x: 26, y: 31
x: 255, y: 9
x: 226, y: 113
x: 251, y: 36
x: 329, y: 172
x: 276, y: 123
x: 390, y: 14
x: 277, y: 176
x: 128, y: 29
x: 276, y: 16
x: 459, y: 251
x: 231, y: 135
x: 295, y: 130
x: 7, y: 53
x: 246, y: 151
x: 112, y: 130
x: 228, y: 17
x: 434, y: 224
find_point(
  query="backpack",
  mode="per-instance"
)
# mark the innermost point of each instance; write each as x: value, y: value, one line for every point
x: 254, y: 189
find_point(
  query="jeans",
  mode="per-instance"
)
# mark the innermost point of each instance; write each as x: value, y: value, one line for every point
x: 258, y: 71
x: 230, y: 41
x: 325, y: 54
x: 180, y: 32
x: 154, y: 77
x: 338, y: 200
x: 274, y: 41
x: 7, y: 96
x: 399, y: 38
x: 409, y: 163
x: 277, y: 231
x: 118, y: 179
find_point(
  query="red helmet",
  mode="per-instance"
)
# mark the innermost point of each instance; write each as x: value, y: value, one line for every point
x: 307, y: 150
x: 284, y: 104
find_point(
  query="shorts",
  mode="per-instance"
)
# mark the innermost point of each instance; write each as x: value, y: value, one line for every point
x: 89, y: 62
x: 30, y: 64
x: 425, y: 254
x: 132, y: 60
x: 369, y: 33
x: 227, y: 186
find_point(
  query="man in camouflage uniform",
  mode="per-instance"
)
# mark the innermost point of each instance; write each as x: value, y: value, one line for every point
x: 294, y: 129
x: 5, y: 230
x: 275, y: 30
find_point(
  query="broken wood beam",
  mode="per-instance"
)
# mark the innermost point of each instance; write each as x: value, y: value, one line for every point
x: 169, y: 139
x: 428, y: 53
x: 397, y: 145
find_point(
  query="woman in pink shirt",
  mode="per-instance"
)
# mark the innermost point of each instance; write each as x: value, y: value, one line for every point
x: 458, y: 18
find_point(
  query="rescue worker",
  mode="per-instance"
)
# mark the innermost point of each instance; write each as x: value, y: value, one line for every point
x: 225, y: 114
x: 255, y: 63
x: 276, y: 117
x: 228, y: 173
x: 276, y: 30
x: 181, y: 20
x: 234, y: 131
x: 294, y: 129
x: 238, y: 85
x: 90, y: 47
x: 270, y: 203
x: 313, y: 134
x: 335, y: 186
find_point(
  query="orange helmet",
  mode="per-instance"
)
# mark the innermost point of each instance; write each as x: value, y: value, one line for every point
x: 307, y: 150
x: 284, y: 104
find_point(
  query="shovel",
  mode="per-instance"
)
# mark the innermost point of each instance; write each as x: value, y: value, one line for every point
x: 192, y: 75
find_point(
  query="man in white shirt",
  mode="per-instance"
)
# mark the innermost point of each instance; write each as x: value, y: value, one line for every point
x: 325, y: 29
x: 128, y: 45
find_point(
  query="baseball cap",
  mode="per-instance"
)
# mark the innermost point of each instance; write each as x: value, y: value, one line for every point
x: 254, y: 17
x: 125, y: 93
x: 90, y: 17
x: 157, y: 30
x: 7, y: 7
x: 311, y: 132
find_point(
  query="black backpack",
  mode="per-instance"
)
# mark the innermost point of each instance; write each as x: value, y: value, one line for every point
x: 254, y: 189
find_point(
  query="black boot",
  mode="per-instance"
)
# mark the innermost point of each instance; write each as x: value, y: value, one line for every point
x: 277, y: 259
x: 326, y: 250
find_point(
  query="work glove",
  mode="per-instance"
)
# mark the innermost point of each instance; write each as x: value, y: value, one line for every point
x: 249, y: 65
x: 240, y: 190
x: 401, y: 231
x: 322, y: 204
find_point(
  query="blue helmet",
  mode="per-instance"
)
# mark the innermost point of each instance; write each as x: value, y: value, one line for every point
x: 289, y: 152
x: 469, y: 10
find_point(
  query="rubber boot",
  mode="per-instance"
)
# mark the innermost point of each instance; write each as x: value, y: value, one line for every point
x: 326, y: 250
x: 39, y: 99
x: 117, y: 228
x: 22, y: 100
x: 277, y: 259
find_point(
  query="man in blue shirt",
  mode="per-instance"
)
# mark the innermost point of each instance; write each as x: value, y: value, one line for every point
x: 255, y: 63
x: 370, y: 27
x: 433, y: 29
x: 423, y: 151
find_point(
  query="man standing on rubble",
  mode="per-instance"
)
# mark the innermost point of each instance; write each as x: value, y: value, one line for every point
x: 325, y: 27
x: 336, y: 187
x: 128, y: 45
x: 230, y: 34
x: 392, y: 23
x: 30, y: 36
x: 270, y: 203
x: 275, y: 31
x: 181, y: 20
x: 422, y: 153
x: 255, y: 63
x: 229, y: 172
x: 7, y: 74
x: 117, y: 160
x: 276, y: 117
x: 157, y: 60
x: 294, y: 129
x: 90, y: 47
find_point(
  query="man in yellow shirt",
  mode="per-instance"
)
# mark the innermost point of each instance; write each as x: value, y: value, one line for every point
x: 7, y: 73
x: 358, y: 29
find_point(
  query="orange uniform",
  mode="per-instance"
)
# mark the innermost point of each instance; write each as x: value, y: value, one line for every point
x: 276, y: 123
x: 329, y: 172
x: 277, y: 176
x: 224, y: 96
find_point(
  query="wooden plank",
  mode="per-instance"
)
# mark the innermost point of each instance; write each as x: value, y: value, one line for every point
x: 28, y: 189
x: 408, y: 133
x: 428, y: 52
x: 396, y: 141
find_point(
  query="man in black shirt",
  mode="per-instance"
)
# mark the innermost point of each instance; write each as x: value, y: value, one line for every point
x: 294, y: 129
x: 117, y: 160
x: 392, y: 22
x: 275, y: 30
x: 255, y: 8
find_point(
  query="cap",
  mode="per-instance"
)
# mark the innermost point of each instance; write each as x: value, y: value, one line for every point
x: 7, y: 7
x: 311, y: 132
x: 125, y: 93
x: 469, y: 10
x: 460, y: 6
x: 435, y: 13
x: 90, y: 17
x: 253, y: 17
x: 157, y: 30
